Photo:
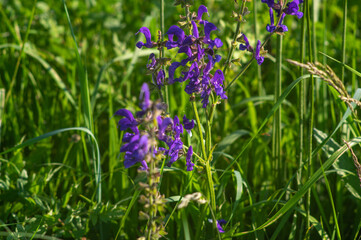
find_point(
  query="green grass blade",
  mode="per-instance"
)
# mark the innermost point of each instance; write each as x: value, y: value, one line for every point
x: 55, y: 76
x: 343, y: 64
x: 270, y: 114
x: 312, y: 180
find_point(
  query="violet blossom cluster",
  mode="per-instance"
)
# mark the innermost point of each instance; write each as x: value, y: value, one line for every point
x: 291, y: 8
x: 199, y: 61
x: 138, y: 145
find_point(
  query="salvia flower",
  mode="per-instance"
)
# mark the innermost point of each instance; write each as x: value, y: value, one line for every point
x: 246, y: 43
x: 199, y: 51
x: 281, y: 28
x: 142, y: 143
x: 257, y: 54
x: 189, y: 159
x: 293, y: 7
x: 219, y: 225
x: 148, y: 43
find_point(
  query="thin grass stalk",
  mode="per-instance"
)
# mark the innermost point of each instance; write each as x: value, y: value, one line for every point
x: 343, y: 59
x: 354, y: 58
x: 2, y: 111
x: 256, y: 34
x: 332, y: 203
x: 277, y: 118
x: 312, y: 111
x: 88, y: 117
x: 302, y: 101
x: 166, y: 93
x: 234, y: 42
x: 12, y: 83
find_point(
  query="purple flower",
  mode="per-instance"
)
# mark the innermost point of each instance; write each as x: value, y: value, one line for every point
x: 171, y: 72
x: 217, y: 81
x: 219, y: 225
x: 146, y: 32
x: 128, y: 121
x: 293, y: 7
x: 188, y: 125
x: 179, y: 33
x: 160, y: 78
x: 152, y: 62
x: 271, y: 28
x: 257, y: 54
x: 281, y: 28
x: 270, y: 3
x: 208, y: 28
x: 135, y: 151
x: 202, y: 9
x: 245, y: 46
x: 189, y: 159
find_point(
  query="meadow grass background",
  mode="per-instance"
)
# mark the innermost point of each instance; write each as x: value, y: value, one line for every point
x: 48, y: 189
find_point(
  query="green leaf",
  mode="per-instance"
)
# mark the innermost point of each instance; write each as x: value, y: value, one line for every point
x: 344, y: 165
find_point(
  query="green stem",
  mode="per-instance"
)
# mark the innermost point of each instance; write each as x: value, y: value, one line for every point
x: 312, y: 111
x: 21, y: 51
x: 166, y: 93
x: 277, y: 120
x: 344, y: 40
x: 234, y: 42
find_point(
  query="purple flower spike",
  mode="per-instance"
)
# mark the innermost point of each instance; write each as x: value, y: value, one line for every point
x: 257, y: 55
x: 245, y: 46
x: 189, y: 159
x: 219, y: 225
x: 128, y: 121
x: 202, y: 9
x: 147, y: 35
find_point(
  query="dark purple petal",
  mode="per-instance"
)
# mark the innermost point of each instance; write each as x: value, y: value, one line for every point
x: 185, y: 49
x: 246, y: 45
x: 147, y: 35
x: 202, y: 9
x: 177, y: 127
x: 127, y: 137
x: 178, y: 32
x: 208, y: 28
x: 292, y: 9
x: 188, y: 125
x: 144, y: 97
x: 270, y: 3
x: 195, y: 30
x: 257, y: 56
x: 217, y: 82
x: 219, y: 225
x: 189, y: 159
x: 152, y: 60
x: 271, y: 28
x: 160, y: 78
x: 125, y: 113
x: 172, y: 69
